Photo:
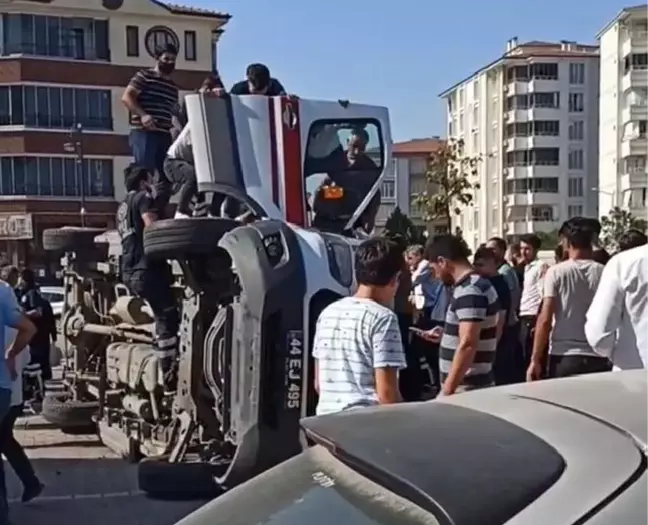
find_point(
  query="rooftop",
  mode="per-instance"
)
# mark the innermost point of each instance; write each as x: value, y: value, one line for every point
x: 422, y: 146
x: 623, y: 15
x: 534, y: 49
x: 179, y: 9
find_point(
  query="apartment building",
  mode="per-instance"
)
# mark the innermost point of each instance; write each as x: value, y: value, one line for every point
x: 65, y: 63
x: 623, y: 177
x: 407, y: 179
x: 531, y: 115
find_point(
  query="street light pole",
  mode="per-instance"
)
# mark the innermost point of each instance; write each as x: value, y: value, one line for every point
x: 76, y: 146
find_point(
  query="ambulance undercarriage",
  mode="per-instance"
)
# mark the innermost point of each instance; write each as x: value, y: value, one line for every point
x: 249, y: 295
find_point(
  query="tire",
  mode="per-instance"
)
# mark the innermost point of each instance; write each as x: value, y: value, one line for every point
x: 174, y: 238
x: 69, y: 415
x: 160, y: 479
x: 70, y: 238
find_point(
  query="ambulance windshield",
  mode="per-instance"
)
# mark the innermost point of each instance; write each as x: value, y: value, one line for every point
x: 344, y: 161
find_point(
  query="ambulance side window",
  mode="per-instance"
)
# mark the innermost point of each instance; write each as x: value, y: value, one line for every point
x: 338, y: 146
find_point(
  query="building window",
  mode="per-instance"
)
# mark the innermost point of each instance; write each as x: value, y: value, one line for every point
x: 214, y: 49
x: 532, y: 185
x: 518, y: 74
x: 575, y: 159
x: 160, y: 37
x: 575, y: 187
x: 542, y: 213
x: 544, y: 71
x: 132, y: 41
x: 388, y: 190
x: 574, y: 211
x: 52, y: 36
x: 533, y: 157
x: 547, y: 99
x: 635, y: 61
x: 56, y: 177
x: 55, y: 108
x: 635, y: 164
x: 576, y: 102
x: 577, y: 130
x: 190, y: 46
x: 535, y: 127
x: 577, y: 73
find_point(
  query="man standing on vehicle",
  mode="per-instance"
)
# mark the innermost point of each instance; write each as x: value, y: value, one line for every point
x: 151, y: 280
x: 468, y: 341
x: 357, y: 347
x: 258, y: 82
x: 151, y: 97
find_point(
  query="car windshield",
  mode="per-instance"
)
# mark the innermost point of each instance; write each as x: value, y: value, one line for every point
x: 53, y: 297
x: 315, y: 489
x: 344, y: 161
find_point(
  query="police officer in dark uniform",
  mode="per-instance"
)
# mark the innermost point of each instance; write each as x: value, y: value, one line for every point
x: 148, y: 279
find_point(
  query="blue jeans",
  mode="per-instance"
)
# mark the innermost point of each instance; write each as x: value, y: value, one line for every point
x: 149, y: 149
x: 5, y: 402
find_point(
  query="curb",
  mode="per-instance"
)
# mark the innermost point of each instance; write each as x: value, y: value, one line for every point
x: 34, y: 423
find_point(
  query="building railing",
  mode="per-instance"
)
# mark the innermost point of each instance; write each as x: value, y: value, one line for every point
x: 69, y: 50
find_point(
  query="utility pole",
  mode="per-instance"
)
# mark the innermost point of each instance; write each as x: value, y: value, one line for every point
x: 76, y: 146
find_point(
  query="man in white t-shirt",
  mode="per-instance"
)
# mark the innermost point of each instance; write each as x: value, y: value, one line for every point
x: 534, y: 271
x: 357, y: 348
x: 569, y: 288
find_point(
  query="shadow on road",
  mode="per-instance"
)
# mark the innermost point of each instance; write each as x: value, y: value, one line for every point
x: 96, y: 491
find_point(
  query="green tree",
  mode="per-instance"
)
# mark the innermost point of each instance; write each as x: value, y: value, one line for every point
x: 449, y: 174
x: 548, y: 240
x: 616, y: 222
x: 400, y: 226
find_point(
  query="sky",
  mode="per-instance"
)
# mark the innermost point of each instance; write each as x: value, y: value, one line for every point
x: 400, y: 54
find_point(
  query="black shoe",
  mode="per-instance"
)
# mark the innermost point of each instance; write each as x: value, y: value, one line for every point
x: 32, y: 492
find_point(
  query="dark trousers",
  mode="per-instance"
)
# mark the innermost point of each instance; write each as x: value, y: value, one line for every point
x: 182, y: 176
x: 527, y: 333
x: 5, y: 402
x: 149, y: 149
x: 40, y: 355
x: 509, y: 366
x: 154, y: 285
x: 408, y: 380
x: 573, y: 365
x: 14, y: 452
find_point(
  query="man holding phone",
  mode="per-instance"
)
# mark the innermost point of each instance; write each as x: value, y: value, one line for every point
x: 469, y: 339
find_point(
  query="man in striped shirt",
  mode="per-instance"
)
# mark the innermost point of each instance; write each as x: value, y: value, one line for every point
x: 468, y: 340
x: 358, y: 349
x: 151, y: 97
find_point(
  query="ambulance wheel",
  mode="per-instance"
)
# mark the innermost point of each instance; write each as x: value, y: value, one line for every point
x: 183, y: 238
x: 70, y: 239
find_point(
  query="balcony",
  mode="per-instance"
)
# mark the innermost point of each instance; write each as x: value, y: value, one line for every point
x: 534, y: 141
x: 539, y: 85
x: 633, y: 179
x: 525, y: 172
x: 524, y: 226
x: 532, y: 199
x: 635, y: 42
x: 634, y: 146
x: 636, y: 77
x: 634, y: 112
x: 516, y: 87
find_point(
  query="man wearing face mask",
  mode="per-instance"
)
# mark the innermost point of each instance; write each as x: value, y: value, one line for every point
x: 258, y: 82
x: 151, y: 97
x: 150, y: 280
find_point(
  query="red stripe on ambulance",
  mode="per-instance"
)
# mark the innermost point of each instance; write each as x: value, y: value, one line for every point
x: 294, y: 200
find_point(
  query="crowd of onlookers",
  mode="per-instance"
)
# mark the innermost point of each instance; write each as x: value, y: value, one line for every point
x: 436, y: 320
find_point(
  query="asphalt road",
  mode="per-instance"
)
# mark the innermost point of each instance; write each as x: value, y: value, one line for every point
x: 85, y: 483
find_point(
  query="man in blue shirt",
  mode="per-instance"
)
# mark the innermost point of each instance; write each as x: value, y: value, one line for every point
x: 10, y: 316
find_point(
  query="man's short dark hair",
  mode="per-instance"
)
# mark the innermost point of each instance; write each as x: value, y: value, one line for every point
x: 633, y: 238
x: 578, y: 234
x: 484, y: 253
x: 361, y: 133
x: 592, y: 225
x: 9, y: 272
x: 532, y: 240
x: 134, y: 174
x: 28, y: 276
x: 499, y: 242
x: 258, y: 75
x: 378, y: 261
x: 447, y: 246
x: 167, y: 48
